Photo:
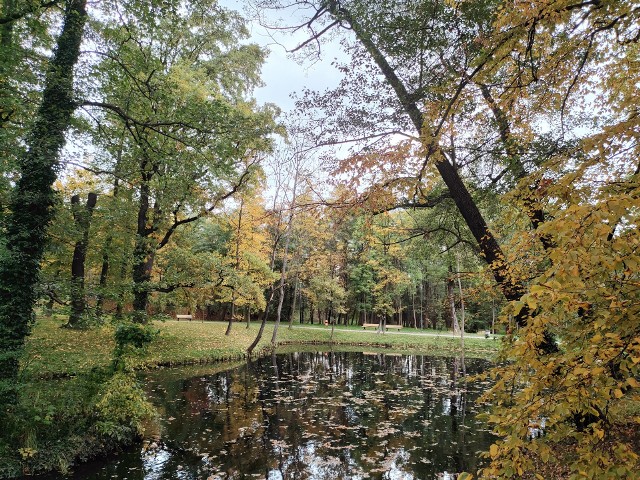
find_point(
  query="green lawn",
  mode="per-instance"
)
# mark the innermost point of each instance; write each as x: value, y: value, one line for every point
x: 53, y: 351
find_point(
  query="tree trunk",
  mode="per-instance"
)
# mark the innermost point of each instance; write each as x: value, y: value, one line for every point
x: 452, y: 303
x: 333, y: 325
x: 143, y: 253
x: 413, y: 309
x: 7, y: 62
x: 262, y: 324
x: 121, y: 299
x: 302, y: 305
x: 104, y: 275
x: 461, y: 305
x: 141, y: 278
x: 106, y: 248
x: 233, y: 313
x: 236, y: 265
x: 274, y: 252
x: 32, y: 200
x: 489, y: 246
x: 293, y: 303
x: 421, y: 304
x: 82, y: 218
x: 490, y: 250
x: 283, y: 273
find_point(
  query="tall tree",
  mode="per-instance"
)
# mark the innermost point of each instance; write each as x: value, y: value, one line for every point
x: 558, y: 52
x: 422, y: 73
x: 32, y: 198
x: 82, y: 217
x: 534, y: 66
x: 248, y: 256
x: 193, y: 135
x: 295, y: 167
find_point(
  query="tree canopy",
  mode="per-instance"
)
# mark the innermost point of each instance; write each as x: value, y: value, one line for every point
x: 491, y: 163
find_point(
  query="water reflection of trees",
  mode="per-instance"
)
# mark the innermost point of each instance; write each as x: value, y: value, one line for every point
x: 328, y: 415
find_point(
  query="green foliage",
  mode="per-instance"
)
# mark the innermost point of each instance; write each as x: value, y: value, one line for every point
x: 133, y: 335
x: 58, y: 422
x: 130, y: 337
x: 198, y: 131
x: 122, y: 408
x: 177, y: 134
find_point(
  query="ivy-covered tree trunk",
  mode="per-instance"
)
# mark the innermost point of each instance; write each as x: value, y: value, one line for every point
x: 82, y: 217
x: 32, y: 200
x: 144, y: 252
x: 104, y: 276
x: 144, y: 257
x: 6, y: 57
x: 106, y: 253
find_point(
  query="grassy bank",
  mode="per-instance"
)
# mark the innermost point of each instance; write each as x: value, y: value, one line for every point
x: 56, y: 352
x: 74, y: 405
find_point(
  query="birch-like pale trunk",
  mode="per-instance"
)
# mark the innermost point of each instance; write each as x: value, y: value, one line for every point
x: 285, y: 258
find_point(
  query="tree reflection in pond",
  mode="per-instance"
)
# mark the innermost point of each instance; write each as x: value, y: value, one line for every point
x: 313, y: 416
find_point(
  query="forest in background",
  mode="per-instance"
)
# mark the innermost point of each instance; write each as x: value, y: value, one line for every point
x: 492, y: 164
x: 344, y: 265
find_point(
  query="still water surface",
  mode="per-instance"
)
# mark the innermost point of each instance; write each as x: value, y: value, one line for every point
x: 312, y: 415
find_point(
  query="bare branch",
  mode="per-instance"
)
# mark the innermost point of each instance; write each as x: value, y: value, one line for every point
x: 176, y: 223
x: 315, y: 37
x: 171, y: 288
x: 414, y: 205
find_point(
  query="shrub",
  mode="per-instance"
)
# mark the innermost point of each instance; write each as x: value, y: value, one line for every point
x: 122, y: 408
x: 128, y: 337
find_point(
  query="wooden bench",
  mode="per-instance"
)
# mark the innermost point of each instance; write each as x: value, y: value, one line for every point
x: 184, y: 317
x: 370, y: 325
x: 397, y: 327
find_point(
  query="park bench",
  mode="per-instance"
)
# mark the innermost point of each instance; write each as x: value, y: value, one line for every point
x: 184, y: 317
x: 376, y: 325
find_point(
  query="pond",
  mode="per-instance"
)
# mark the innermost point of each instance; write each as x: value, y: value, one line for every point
x: 311, y: 415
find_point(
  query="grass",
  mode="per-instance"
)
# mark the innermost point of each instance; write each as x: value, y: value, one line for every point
x: 52, y: 351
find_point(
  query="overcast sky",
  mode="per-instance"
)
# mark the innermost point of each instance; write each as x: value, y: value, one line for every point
x: 281, y: 74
